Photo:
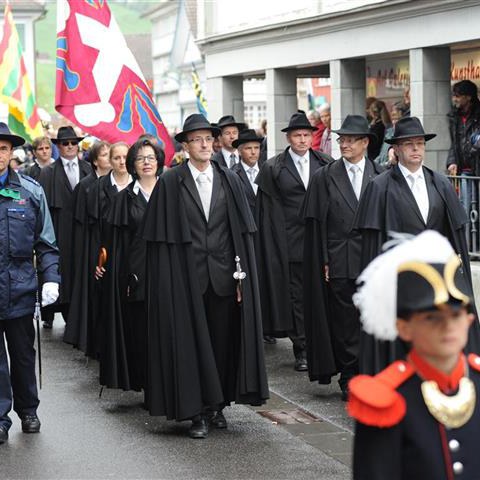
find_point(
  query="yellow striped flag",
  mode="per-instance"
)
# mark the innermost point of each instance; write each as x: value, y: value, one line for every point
x: 15, y: 89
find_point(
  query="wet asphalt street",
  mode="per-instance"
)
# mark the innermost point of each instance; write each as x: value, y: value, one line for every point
x: 302, y: 433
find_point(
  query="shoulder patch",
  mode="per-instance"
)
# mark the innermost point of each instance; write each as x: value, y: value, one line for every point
x: 375, y: 401
x: 474, y: 361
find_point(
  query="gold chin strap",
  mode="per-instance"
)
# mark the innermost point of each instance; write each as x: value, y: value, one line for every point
x: 452, y: 411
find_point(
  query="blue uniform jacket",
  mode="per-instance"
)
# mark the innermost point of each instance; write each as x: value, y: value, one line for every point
x: 25, y: 229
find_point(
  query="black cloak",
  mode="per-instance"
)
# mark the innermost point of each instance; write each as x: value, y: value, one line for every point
x: 122, y: 322
x: 271, y: 247
x: 378, y: 215
x: 182, y: 377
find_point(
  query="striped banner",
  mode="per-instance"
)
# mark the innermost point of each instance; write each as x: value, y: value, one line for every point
x: 201, y: 101
x: 15, y: 89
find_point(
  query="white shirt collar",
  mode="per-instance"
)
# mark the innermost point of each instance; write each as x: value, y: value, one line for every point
x: 407, y: 173
x: 226, y: 155
x: 196, y: 172
x: 247, y: 168
x: 115, y: 184
x: 360, y: 164
x: 296, y: 157
x: 138, y: 188
x: 65, y: 162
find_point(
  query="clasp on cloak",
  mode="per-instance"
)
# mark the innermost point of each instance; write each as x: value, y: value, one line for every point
x: 239, y: 274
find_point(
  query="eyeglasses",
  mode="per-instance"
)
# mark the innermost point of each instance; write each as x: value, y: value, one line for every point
x: 73, y: 143
x: 412, y: 145
x: 200, y: 140
x: 348, y: 140
x: 146, y: 158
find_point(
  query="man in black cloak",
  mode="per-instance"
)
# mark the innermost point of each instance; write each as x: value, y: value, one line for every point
x: 332, y: 256
x: 204, y: 326
x: 58, y: 181
x: 282, y: 184
x: 409, y: 198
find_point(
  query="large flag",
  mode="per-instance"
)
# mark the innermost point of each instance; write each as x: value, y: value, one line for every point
x: 201, y: 102
x: 15, y: 89
x: 100, y: 86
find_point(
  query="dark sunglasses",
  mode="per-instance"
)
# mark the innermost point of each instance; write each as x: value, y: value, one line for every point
x: 69, y: 142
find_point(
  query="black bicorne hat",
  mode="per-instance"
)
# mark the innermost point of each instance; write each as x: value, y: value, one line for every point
x: 193, y: 122
x: 245, y: 136
x: 355, y: 125
x: 66, y: 133
x: 229, y: 121
x: 5, y: 134
x: 429, y: 286
x: 299, y: 121
x: 408, y: 127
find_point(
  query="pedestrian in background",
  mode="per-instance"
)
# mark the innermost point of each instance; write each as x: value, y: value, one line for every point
x: 27, y: 230
x: 326, y: 118
x: 378, y: 125
x: 316, y: 121
x: 42, y: 150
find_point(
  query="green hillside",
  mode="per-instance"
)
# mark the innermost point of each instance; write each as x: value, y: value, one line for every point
x: 45, y: 37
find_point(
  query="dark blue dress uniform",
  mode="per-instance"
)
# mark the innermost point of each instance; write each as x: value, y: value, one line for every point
x: 25, y: 228
x: 396, y: 437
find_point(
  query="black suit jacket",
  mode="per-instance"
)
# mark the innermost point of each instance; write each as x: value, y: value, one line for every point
x: 212, y: 240
x: 219, y: 159
x: 247, y: 186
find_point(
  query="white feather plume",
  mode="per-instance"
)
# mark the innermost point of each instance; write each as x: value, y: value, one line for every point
x: 376, y: 297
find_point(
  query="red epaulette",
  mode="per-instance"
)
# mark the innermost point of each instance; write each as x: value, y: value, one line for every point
x: 374, y: 400
x: 474, y: 361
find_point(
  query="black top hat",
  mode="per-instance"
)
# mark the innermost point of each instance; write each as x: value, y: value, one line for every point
x: 298, y: 121
x: 409, y: 127
x: 427, y: 286
x: 229, y: 121
x: 193, y: 122
x: 5, y: 134
x: 245, y: 136
x: 66, y: 133
x: 355, y: 125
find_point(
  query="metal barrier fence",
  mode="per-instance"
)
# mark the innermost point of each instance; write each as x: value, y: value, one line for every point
x: 467, y: 188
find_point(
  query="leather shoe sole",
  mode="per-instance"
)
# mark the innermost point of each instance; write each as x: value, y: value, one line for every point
x: 3, y: 435
x: 30, y: 424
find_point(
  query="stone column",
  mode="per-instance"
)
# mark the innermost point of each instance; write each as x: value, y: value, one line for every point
x: 430, y: 97
x: 348, y: 92
x: 281, y: 105
x: 225, y: 97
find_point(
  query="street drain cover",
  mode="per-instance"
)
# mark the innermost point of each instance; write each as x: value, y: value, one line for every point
x: 288, y: 417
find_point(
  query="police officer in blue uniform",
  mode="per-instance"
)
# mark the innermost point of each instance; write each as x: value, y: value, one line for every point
x: 26, y: 231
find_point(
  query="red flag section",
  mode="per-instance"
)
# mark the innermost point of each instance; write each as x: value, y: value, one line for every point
x: 100, y: 86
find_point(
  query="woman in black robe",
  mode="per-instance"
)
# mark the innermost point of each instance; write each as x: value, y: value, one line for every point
x: 123, y: 320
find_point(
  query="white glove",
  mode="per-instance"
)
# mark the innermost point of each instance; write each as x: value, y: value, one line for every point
x: 49, y: 293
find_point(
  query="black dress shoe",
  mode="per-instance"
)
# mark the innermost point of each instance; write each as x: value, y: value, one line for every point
x: 269, y: 340
x: 30, y: 424
x: 301, y: 364
x: 48, y: 324
x: 3, y: 434
x: 199, y: 428
x: 219, y: 421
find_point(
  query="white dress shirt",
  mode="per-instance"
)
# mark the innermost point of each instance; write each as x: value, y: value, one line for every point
x: 138, y: 188
x: 416, y: 182
x: 357, y: 187
x: 303, y: 168
x: 115, y: 184
x: 250, y: 175
x: 73, y: 162
x: 227, y: 156
x: 205, y: 195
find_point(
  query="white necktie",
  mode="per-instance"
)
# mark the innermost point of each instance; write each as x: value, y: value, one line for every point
x: 356, y: 179
x: 252, y: 175
x: 302, y: 169
x: 419, y: 191
x: 204, y: 192
x: 71, y: 175
x: 233, y: 160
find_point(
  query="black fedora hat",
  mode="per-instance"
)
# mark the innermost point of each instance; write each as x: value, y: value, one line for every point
x: 245, y: 136
x: 409, y: 127
x: 299, y: 121
x: 5, y: 134
x: 229, y: 121
x: 355, y: 125
x: 66, y: 133
x: 195, y: 121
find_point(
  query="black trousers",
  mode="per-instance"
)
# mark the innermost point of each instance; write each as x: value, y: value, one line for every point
x: 344, y: 326
x: 297, y: 333
x: 223, y: 319
x: 19, y: 384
